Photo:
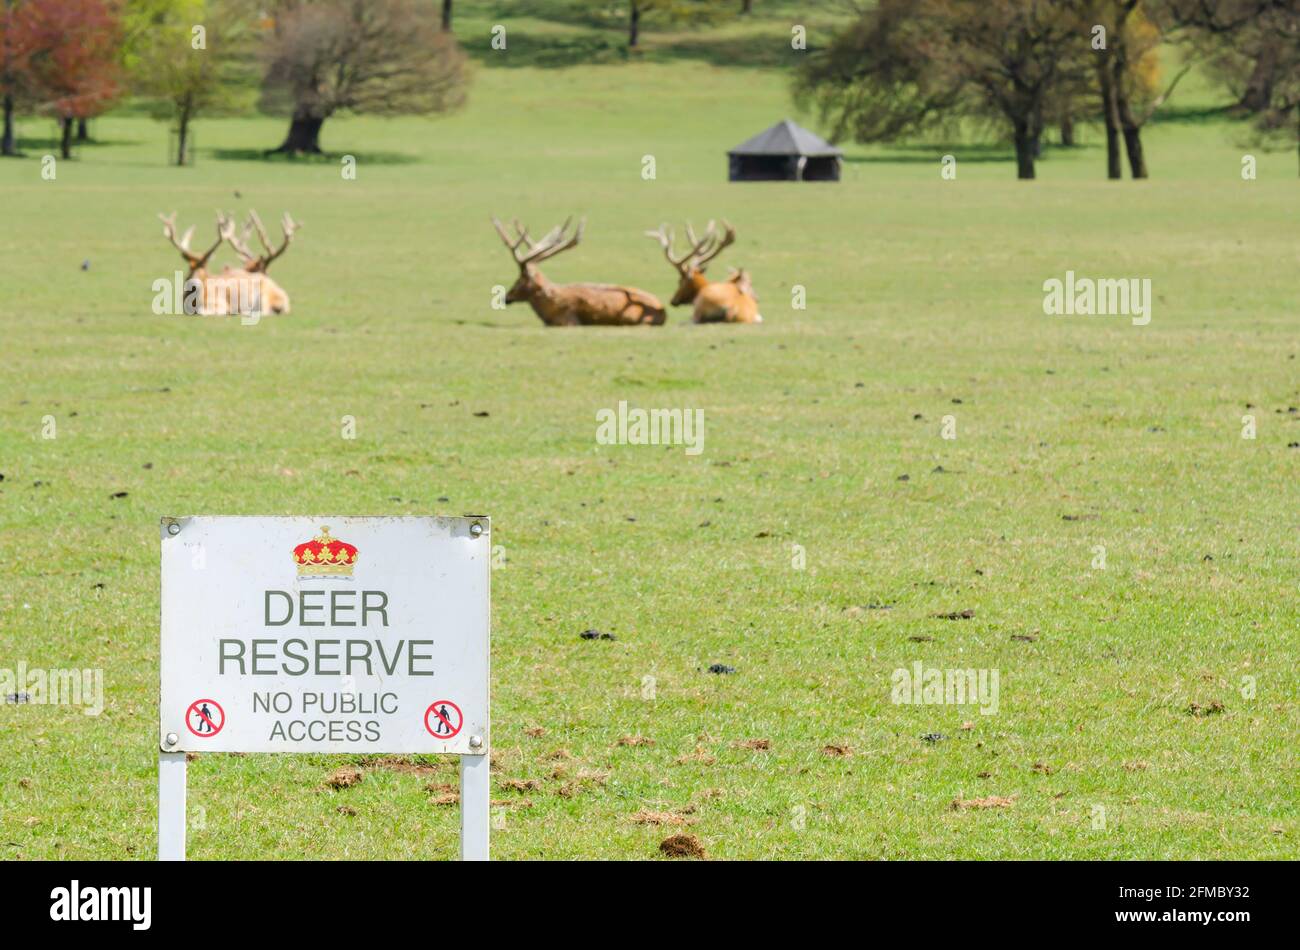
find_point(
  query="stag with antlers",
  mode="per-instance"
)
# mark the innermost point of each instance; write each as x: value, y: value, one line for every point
x: 246, y: 290
x: 722, y: 301
x: 204, y: 293
x: 572, y: 304
x: 271, y: 294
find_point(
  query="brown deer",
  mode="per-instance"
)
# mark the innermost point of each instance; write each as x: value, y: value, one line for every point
x: 204, y: 293
x: 566, y: 305
x: 724, y: 301
x: 271, y: 295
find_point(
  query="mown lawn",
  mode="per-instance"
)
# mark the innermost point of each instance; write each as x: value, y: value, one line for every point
x: 924, y: 300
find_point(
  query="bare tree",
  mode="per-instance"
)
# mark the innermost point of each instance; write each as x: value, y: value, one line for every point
x: 381, y: 57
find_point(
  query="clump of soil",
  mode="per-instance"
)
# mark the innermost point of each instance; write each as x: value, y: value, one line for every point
x: 837, y: 751
x: 345, y: 776
x: 647, y: 817
x: 701, y: 755
x: 991, y: 801
x: 754, y: 745
x: 521, y: 784
x: 682, y: 846
x: 635, y: 741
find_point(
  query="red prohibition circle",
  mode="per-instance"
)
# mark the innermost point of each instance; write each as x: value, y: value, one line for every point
x: 194, y: 708
x: 454, y: 730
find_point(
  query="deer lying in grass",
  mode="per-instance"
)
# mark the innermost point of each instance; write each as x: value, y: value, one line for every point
x: 723, y: 301
x: 561, y: 305
x: 246, y: 290
x: 204, y: 293
x: 271, y: 294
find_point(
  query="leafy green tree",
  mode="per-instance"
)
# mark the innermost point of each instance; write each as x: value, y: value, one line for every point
x: 190, y: 60
x: 907, y: 65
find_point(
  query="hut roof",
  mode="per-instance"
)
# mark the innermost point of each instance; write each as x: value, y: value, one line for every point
x: 786, y: 138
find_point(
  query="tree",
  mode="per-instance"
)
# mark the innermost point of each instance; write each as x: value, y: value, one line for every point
x: 1253, y: 48
x: 446, y: 15
x: 74, y: 58
x: 16, y: 37
x: 382, y: 57
x: 904, y: 66
x: 1128, y: 79
x: 187, y: 62
x: 672, y: 11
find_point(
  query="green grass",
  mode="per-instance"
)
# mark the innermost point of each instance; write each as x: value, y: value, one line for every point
x: 920, y: 292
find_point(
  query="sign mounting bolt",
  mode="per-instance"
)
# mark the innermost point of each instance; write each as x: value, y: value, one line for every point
x: 476, y: 742
x: 173, y: 529
x: 172, y: 738
x: 476, y: 529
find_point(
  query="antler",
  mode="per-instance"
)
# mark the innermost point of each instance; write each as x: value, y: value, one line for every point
x: 554, y: 242
x: 254, y: 262
x: 664, y: 235
x: 241, y: 247
x: 710, y: 246
x: 225, y: 228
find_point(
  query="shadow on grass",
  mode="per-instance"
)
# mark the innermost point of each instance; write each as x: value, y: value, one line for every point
x: 29, y: 146
x: 554, y: 52
x: 980, y: 153
x: 324, y: 158
x: 595, y: 49
x: 1191, y: 115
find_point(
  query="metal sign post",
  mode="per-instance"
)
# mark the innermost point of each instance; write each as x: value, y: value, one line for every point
x: 289, y: 635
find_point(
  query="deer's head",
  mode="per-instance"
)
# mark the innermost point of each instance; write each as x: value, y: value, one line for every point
x: 528, y: 253
x: 690, y: 266
x: 197, y: 263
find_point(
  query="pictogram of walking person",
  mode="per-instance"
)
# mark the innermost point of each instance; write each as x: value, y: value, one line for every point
x: 205, y: 718
x: 444, y: 718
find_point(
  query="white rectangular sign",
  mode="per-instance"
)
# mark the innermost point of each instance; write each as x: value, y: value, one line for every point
x: 325, y: 635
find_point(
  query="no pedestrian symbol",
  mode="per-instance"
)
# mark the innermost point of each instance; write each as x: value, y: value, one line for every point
x: 205, y: 718
x: 443, y: 719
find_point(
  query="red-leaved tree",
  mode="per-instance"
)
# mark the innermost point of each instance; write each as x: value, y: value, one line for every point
x: 74, y: 59
x: 15, y: 67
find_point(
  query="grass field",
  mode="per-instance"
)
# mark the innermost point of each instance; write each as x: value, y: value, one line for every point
x: 924, y: 299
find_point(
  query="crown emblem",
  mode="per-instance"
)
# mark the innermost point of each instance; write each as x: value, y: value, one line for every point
x: 324, y: 556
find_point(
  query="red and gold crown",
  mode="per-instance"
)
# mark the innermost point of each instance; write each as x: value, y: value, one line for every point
x: 324, y: 556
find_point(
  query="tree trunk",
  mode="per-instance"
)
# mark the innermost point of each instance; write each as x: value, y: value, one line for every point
x: 8, y: 146
x: 182, y: 137
x: 634, y: 26
x: 746, y: 6
x: 446, y: 16
x: 83, y: 133
x: 303, y: 137
x: 65, y: 143
x: 1024, y: 149
x: 1259, y: 87
x: 1137, y: 161
x: 1067, y: 130
x: 1110, y: 112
